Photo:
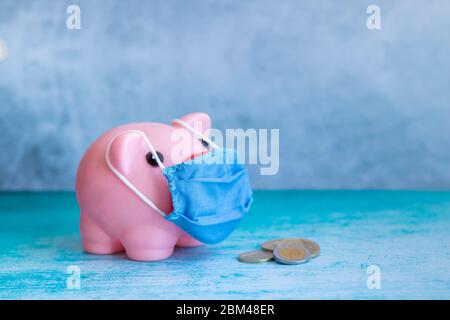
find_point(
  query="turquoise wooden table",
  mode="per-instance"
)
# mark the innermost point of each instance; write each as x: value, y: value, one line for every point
x: 403, y: 235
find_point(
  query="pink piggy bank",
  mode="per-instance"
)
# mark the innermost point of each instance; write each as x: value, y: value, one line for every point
x: 112, y: 218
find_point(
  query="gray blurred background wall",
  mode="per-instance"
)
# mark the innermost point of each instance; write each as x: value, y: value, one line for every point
x: 356, y: 108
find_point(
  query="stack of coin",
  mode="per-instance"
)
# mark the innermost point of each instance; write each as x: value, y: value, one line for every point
x: 285, y: 251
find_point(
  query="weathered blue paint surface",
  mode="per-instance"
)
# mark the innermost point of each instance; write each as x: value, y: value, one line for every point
x: 405, y: 233
x: 356, y: 109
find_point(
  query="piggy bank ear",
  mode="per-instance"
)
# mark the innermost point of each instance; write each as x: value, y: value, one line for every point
x: 125, y: 151
x: 198, y: 120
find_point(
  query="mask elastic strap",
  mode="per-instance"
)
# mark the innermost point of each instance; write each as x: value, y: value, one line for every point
x: 198, y: 133
x: 124, y: 179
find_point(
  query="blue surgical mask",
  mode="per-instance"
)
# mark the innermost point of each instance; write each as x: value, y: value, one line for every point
x: 209, y: 199
x: 210, y: 194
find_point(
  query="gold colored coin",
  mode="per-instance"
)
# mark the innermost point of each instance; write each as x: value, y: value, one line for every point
x: 291, y: 252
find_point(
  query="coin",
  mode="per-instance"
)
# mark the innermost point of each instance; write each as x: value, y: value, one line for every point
x: 271, y: 244
x: 312, y: 246
x: 255, y: 256
x: 291, y: 252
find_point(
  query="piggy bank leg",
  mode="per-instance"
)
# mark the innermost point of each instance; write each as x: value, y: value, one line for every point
x: 148, y: 243
x: 188, y: 242
x: 95, y: 240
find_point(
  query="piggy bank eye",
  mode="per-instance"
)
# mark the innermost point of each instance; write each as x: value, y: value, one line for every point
x: 152, y: 160
x: 204, y: 143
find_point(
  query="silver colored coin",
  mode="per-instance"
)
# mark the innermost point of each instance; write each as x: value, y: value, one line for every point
x: 256, y: 256
x: 291, y: 252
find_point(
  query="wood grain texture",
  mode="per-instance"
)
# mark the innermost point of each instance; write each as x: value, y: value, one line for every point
x: 405, y: 233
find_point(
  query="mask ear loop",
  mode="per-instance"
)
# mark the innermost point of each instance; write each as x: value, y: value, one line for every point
x: 198, y: 133
x: 124, y: 179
